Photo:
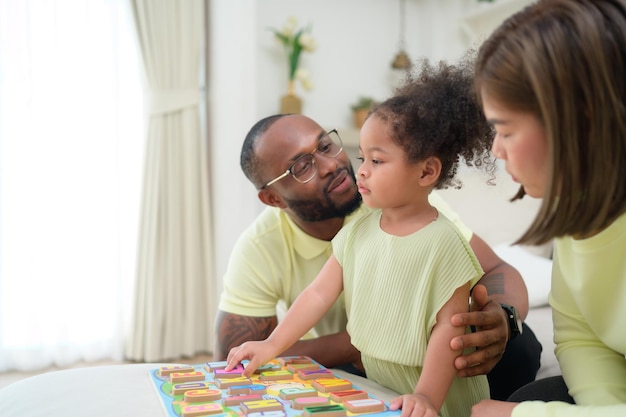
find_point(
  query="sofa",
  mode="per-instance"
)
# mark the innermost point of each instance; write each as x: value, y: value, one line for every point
x: 483, y: 203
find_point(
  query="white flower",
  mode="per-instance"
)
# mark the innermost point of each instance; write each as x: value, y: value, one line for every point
x: 307, y: 84
x: 290, y: 27
x: 295, y: 41
x: 307, y: 42
x: 302, y: 74
x: 304, y: 77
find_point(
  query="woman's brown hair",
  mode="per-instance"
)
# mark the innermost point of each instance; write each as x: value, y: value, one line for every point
x: 565, y: 62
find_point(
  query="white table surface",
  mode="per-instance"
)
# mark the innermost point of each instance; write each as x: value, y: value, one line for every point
x: 108, y: 391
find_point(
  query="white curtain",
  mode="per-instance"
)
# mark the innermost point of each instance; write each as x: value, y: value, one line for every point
x: 173, y: 314
x: 71, y: 151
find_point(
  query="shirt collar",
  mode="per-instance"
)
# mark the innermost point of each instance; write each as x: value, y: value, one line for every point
x: 309, y: 247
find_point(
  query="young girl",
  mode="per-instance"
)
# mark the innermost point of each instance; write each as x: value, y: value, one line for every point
x: 404, y: 268
x: 552, y: 80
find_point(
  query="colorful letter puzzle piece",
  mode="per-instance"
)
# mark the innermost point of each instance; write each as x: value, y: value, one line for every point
x: 368, y: 405
x: 349, y: 395
x: 333, y: 410
x: 331, y: 384
x: 257, y: 406
x: 302, y: 402
x: 202, y: 395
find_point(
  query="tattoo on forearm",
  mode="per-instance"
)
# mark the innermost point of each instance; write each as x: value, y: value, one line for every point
x: 234, y: 330
x: 494, y: 283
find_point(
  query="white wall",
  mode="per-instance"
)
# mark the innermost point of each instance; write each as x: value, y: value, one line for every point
x: 232, y: 95
x: 357, y: 40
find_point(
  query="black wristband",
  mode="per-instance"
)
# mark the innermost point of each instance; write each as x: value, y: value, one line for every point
x: 515, y: 323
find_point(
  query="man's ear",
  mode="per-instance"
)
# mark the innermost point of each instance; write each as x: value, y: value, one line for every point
x: 431, y: 170
x: 270, y: 198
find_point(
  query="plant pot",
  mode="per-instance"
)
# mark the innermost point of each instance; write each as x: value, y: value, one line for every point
x: 359, y: 117
x: 290, y: 103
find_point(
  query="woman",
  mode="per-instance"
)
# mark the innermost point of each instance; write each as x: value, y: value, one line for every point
x: 552, y: 80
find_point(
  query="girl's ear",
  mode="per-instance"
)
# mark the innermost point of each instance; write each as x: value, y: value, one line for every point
x: 431, y: 170
x: 271, y: 198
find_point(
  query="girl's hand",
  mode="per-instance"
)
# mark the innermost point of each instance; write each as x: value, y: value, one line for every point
x: 492, y: 408
x: 258, y: 353
x: 413, y: 405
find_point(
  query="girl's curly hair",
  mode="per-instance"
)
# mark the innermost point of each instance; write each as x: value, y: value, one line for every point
x: 435, y: 112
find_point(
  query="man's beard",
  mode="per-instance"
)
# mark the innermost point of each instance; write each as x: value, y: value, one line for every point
x: 324, y: 209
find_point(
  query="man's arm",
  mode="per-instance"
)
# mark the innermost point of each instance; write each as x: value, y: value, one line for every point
x: 233, y: 330
x: 504, y: 283
x: 501, y: 283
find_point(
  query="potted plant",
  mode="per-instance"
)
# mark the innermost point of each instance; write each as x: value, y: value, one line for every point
x: 295, y: 41
x: 360, y: 110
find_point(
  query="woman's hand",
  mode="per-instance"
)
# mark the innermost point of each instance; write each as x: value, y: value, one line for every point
x: 492, y: 408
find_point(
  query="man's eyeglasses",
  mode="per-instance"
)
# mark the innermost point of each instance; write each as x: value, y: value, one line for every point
x: 304, y: 169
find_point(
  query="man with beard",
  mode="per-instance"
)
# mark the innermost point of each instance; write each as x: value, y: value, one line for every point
x: 306, y: 180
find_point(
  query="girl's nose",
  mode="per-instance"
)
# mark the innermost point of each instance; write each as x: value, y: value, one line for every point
x: 496, y: 148
x: 361, y: 170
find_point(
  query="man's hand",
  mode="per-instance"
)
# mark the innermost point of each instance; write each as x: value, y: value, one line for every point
x: 490, y: 338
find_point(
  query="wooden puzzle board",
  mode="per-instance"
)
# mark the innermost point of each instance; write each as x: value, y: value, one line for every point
x: 285, y: 387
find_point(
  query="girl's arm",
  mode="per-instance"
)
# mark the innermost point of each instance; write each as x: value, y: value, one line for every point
x: 307, y: 309
x: 438, y: 370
